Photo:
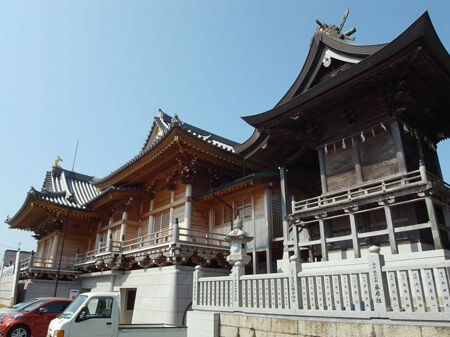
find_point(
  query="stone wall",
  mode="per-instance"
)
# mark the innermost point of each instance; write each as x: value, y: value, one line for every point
x: 234, y: 325
x: 211, y: 324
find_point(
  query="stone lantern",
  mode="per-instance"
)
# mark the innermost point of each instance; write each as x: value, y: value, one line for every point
x: 238, y: 239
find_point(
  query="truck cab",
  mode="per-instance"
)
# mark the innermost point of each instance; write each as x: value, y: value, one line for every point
x: 90, y: 314
x: 97, y: 314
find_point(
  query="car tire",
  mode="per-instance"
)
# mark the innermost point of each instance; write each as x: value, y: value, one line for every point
x: 19, y: 331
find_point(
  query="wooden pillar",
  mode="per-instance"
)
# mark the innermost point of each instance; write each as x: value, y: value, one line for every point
x: 283, y: 187
x: 398, y: 146
x: 150, y: 228
x: 389, y: 225
x: 357, y: 161
x: 188, y: 207
x: 54, y: 246
x: 433, y: 222
x: 354, y: 233
x: 109, y: 233
x: 268, y: 225
x: 40, y: 249
x: 323, y: 171
x: 437, y: 163
x: 419, y: 150
x: 323, y: 239
x: 171, y: 211
x: 296, y: 248
x: 123, y: 226
x: 446, y: 214
x: 211, y: 219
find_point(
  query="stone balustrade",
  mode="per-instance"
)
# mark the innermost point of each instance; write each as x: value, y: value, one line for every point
x: 412, y: 290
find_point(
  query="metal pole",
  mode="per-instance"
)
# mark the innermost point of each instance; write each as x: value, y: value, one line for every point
x: 66, y: 224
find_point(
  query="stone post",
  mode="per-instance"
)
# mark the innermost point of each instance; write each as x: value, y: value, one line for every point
x: 236, y: 272
x: 378, y: 284
x: 196, y: 300
x: 294, y: 269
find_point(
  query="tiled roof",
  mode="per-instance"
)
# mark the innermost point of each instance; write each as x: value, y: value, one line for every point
x: 161, y: 126
x: 67, y: 188
x: 165, y: 123
x: 62, y: 188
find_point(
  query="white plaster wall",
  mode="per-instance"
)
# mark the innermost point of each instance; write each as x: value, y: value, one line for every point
x: 163, y: 294
x: 32, y: 288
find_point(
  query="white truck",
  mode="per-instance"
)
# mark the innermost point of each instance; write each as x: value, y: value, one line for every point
x: 97, y: 315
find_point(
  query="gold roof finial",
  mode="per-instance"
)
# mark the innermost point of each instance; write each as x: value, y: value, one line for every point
x: 56, y: 162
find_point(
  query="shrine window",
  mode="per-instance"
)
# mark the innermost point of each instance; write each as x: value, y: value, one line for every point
x: 161, y: 222
x: 244, y: 209
x: 222, y: 215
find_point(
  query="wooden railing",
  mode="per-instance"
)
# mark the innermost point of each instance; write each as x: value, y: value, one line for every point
x: 362, y: 191
x: 103, y: 247
x: 34, y: 262
x: 175, y: 235
x: 365, y: 288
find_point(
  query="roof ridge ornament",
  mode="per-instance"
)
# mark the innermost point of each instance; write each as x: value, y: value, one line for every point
x: 175, y: 120
x: 335, y: 31
x: 56, y: 162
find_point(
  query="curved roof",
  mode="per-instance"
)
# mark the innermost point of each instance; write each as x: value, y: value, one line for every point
x: 305, y: 89
x: 62, y: 188
x: 162, y: 125
x: 322, y: 46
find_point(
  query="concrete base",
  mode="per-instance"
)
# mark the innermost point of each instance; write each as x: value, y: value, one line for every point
x: 163, y: 294
x: 210, y: 324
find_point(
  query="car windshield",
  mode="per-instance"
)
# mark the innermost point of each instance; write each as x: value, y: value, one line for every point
x: 73, y: 307
x: 23, y: 304
x: 33, y: 305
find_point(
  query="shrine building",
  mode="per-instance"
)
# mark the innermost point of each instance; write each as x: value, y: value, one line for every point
x: 345, y: 161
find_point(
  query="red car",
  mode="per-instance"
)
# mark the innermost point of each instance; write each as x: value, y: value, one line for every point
x: 32, y: 320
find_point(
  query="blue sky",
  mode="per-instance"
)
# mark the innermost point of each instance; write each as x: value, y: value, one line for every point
x: 97, y: 72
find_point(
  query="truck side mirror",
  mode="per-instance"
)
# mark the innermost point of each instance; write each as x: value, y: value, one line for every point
x: 81, y: 316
